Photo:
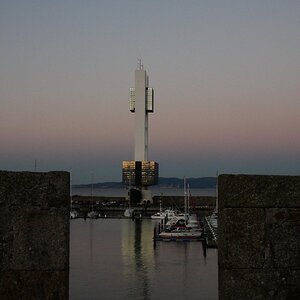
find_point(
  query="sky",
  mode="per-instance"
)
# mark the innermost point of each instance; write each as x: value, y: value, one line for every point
x: 225, y: 74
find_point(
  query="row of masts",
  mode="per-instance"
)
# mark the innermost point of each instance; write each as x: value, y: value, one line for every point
x: 186, y: 192
x: 186, y: 188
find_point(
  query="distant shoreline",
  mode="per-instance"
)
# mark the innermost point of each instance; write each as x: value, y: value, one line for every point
x: 155, y: 191
x: 164, y: 183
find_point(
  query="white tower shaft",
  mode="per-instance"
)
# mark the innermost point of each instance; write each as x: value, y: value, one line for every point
x: 141, y: 117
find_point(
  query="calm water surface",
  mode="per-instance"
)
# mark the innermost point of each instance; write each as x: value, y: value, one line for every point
x: 115, y: 259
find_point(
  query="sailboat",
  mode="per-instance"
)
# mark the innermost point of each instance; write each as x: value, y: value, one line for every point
x: 92, y: 214
x: 162, y: 215
x: 181, y: 230
x: 212, y: 220
x: 73, y: 212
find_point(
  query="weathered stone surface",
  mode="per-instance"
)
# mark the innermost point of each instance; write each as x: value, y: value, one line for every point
x: 34, y: 285
x: 259, y: 284
x: 34, y: 234
x: 45, y: 244
x: 258, y: 191
x: 32, y: 240
x: 259, y: 237
x: 241, y: 233
x: 282, y: 238
x: 34, y: 189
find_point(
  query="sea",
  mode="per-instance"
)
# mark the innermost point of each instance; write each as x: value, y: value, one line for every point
x: 123, y: 192
x: 117, y: 259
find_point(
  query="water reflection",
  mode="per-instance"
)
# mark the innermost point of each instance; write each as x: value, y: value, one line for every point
x: 91, y: 222
x: 141, y: 267
x: 115, y: 259
x: 185, y: 247
x: 137, y: 254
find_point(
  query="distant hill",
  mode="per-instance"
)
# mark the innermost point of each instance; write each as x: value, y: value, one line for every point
x: 199, y: 183
x: 164, y: 182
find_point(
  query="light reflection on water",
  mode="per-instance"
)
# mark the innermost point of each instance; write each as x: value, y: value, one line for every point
x: 115, y: 259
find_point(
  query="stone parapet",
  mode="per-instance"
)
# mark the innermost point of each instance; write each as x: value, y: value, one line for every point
x: 34, y: 235
x: 259, y: 237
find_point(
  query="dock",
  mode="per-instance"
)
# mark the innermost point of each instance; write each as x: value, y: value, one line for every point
x: 212, y: 234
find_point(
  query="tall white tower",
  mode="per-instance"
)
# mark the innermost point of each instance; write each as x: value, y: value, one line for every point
x: 141, y: 103
x: 141, y: 172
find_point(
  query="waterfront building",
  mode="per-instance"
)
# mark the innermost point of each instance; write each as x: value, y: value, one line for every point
x: 141, y: 172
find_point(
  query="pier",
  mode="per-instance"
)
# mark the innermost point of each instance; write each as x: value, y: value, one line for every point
x: 211, y: 232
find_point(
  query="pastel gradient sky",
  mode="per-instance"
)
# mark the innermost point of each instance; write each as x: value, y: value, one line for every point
x: 225, y: 73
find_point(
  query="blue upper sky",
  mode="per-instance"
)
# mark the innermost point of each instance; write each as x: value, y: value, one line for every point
x: 225, y: 74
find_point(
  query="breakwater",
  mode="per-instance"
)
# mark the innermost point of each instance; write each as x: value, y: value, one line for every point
x: 258, y: 241
x: 34, y: 235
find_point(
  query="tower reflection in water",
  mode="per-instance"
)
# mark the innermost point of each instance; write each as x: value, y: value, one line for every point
x: 171, y: 270
x: 138, y: 258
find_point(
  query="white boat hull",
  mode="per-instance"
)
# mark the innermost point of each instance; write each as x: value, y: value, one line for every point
x: 168, y: 213
x: 158, y: 216
x: 180, y: 235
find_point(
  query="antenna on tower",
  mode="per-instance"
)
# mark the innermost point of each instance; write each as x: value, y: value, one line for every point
x: 140, y: 65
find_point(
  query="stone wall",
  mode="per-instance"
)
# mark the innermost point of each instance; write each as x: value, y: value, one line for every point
x: 34, y: 235
x: 259, y: 237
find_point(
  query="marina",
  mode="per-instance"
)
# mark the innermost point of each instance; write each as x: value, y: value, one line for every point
x: 181, y: 222
x: 114, y: 202
x: 138, y: 253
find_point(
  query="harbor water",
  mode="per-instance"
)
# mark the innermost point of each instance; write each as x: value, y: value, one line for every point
x: 116, y: 259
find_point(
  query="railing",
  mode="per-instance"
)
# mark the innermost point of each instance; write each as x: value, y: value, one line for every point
x: 212, y: 230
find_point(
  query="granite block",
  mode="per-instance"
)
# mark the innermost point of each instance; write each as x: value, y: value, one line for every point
x: 258, y: 284
x: 34, y: 285
x: 259, y: 237
x: 258, y: 191
x: 34, y: 235
x: 241, y: 233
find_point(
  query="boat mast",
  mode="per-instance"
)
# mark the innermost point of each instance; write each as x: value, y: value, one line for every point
x: 188, y: 200
x: 92, y: 191
x: 71, y: 195
x: 217, y: 196
x: 160, y: 205
x: 129, y: 204
x: 185, y: 200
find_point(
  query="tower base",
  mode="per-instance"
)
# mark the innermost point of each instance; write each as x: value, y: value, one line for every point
x: 147, y: 196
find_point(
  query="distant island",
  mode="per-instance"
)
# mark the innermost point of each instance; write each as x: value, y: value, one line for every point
x: 164, y: 182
